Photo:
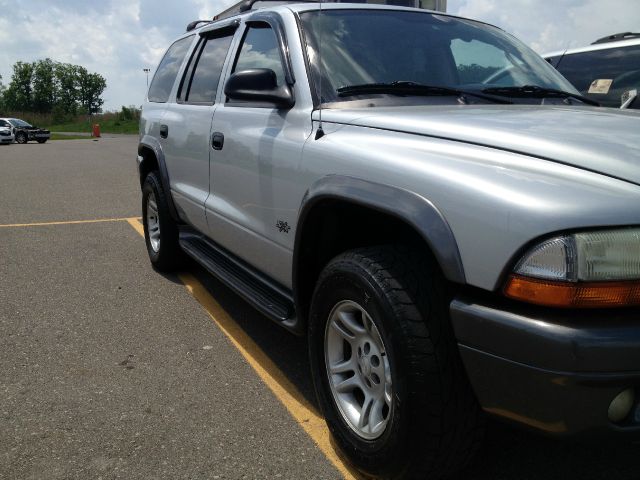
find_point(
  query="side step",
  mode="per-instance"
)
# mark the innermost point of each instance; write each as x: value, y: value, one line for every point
x: 264, y: 294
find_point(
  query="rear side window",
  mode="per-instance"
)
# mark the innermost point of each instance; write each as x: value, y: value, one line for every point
x: 603, y: 75
x: 201, y: 84
x: 168, y: 71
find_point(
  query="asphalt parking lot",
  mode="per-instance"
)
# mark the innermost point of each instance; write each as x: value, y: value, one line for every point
x: 111, y: 370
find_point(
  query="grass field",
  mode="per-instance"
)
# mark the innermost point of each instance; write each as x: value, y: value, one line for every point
x: 111, y: 125
x: 125, y: 121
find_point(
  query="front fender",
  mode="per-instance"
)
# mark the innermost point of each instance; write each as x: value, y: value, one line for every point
x: 413, y: 209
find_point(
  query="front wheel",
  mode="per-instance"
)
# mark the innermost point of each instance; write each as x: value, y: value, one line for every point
x: 42, y: 140
x: 21, y: 138
x: 160, y: 230
x: 385, y: 365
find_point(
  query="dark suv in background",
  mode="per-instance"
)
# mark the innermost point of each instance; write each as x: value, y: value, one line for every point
x: 605, y: 70
x: 25, y: 132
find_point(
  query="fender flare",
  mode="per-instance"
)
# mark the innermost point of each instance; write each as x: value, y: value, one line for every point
x: 152, y: 143
x: 415, y: 210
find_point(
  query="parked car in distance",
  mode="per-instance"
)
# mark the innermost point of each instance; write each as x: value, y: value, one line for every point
x: 6, y: 132
x: 453, y: 226
x: 25, y: 132
x: 604, y: 71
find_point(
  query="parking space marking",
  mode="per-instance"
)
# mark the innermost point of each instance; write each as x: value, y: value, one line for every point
x: 68, y: 222
x: 300, y: 409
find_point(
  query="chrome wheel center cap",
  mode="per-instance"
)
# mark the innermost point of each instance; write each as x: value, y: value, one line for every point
x: 365, y: 365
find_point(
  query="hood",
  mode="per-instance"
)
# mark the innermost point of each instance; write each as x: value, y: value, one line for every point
x: 602, y: 140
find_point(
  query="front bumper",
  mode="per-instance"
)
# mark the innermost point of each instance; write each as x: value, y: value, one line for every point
x: 553, y: 371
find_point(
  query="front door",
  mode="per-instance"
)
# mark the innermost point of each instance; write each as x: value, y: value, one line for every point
x: 252, y: 209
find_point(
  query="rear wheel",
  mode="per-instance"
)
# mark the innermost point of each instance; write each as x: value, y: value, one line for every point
x: 160, y: 230
x: 386, y: 369
x: 21, y: 137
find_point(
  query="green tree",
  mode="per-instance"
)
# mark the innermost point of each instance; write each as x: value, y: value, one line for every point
x: 18, y: 96
x: 67, y: 88
x: 44, y: 86
x: 2, y: 89
x: 90, y: 88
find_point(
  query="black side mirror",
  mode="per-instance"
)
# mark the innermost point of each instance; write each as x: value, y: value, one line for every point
x: 259, y: 85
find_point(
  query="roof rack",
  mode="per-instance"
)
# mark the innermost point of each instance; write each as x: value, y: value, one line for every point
x: 247, y: 5
x: 195, y: 23
x: 616, y: 37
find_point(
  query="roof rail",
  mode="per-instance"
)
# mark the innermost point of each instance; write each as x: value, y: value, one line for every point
x: 195, y: 23
x: 616, y: 37
x: 247, y: 5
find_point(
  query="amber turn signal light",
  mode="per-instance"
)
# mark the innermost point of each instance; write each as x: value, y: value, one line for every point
x: 573, y: 295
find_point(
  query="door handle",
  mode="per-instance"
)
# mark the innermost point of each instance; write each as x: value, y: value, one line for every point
x: 217, y: 141
x: 164, y: 131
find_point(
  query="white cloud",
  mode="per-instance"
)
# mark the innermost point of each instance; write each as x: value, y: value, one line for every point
x: 548, y: 26
x: 116, y: 38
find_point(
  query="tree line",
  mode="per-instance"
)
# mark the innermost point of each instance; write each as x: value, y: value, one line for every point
x: 50, y: 87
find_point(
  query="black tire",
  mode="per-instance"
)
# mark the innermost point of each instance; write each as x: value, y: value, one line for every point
x: 21, y: 138
x: 435, y: 424
x: 168, y: 256
x: 42, y: 140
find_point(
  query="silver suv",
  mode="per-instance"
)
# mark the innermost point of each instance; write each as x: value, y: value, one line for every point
x: 452, y: 225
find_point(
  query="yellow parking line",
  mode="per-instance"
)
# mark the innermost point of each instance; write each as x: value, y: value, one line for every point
x: 137, y: 226
x: 69, y: 222
x: 300, y: 409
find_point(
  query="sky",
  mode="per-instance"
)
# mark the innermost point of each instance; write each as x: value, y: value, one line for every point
x: 118, y: 38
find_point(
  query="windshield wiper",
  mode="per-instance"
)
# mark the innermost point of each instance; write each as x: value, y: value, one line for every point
x: 534, y: 91
x: 411, y: 88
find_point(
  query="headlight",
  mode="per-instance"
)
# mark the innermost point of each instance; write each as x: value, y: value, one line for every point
x: 594, y: 269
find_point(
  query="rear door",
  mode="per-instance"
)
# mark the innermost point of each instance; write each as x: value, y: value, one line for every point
x: 187, y: 125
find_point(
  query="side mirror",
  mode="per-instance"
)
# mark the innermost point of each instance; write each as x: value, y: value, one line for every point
x: 628, y: 98
x: 259, y: 85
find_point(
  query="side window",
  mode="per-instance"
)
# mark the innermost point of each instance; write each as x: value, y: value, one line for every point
x: 201, y: 84
x: 4, y: 123
x: 168, y: 71
x: 260, y: 50
x: 603, y: 75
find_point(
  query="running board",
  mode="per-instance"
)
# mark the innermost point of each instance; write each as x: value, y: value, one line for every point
x: 263, y: 293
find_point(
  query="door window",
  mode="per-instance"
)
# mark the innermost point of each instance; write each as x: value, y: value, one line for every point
x: 260, y: 50
x: 203, y: 81
x: 167, y: 71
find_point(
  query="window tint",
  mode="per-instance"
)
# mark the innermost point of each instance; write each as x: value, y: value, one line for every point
x: 204, y: 83
x: 260, y: 50
x: 4, y: 123
x: 168, y: 71
x: 616, y: 69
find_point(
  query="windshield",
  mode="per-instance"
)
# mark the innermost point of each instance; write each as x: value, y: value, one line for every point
x: 18, y: 123
x: 604, y: 74
x: 384, y: 46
